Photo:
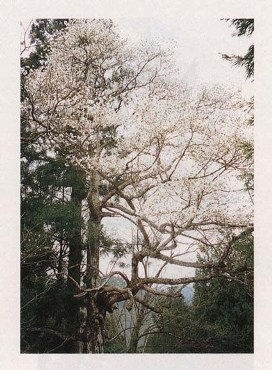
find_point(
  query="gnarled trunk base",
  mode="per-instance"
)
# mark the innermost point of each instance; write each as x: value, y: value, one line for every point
x: 94, y: 331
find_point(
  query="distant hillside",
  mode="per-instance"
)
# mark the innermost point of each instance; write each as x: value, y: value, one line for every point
x: 188, y: 293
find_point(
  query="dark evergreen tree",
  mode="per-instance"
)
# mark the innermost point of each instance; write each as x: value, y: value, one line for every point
x: 174, y: 329
x: 220, y: 317
x: 244, y: 27
x: 223, y: 307
x: 51, y: 203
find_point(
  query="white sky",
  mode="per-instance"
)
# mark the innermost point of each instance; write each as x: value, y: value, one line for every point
x: 198, y: 46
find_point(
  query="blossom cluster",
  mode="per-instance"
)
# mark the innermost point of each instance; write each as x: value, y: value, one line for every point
x: 174, y: 154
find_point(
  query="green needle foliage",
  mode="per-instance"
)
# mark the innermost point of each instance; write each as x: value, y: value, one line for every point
x: 244, y: 27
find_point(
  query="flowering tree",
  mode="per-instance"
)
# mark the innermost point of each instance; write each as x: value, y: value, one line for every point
x: 154, y: 153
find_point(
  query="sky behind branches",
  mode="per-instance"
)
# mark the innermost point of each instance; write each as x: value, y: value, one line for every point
x: 199, y: 43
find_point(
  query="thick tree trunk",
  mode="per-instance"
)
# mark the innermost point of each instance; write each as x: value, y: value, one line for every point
x: 94, y: 327
x: 94, y: 331
x: 95, y: 314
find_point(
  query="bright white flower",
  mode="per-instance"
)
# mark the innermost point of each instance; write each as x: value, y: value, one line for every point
x: 173, y: 152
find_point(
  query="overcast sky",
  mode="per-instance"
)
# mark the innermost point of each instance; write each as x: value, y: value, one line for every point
x: 199, y: 43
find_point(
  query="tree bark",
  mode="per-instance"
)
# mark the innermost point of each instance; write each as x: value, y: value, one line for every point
x: 94, y: 330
